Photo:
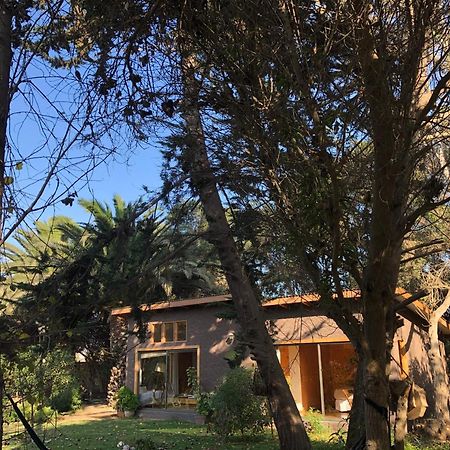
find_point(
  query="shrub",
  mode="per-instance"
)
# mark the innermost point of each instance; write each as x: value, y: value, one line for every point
x: 126, y: 400
x: 234, y: 407
x: 44, y: 414
x: 36, y: 415
x: 203, y: 406
x: 67, y: 399
x: 315, y: 421
x: 46, y: 378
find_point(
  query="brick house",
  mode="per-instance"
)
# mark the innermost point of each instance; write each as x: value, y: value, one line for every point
x: 317, y: 358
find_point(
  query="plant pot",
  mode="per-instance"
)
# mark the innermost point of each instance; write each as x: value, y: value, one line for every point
x: 128, y: 413
x: 120, y: 413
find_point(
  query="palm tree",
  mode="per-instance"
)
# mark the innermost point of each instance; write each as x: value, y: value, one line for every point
x: 70, y: 275
x: 37, y: 254
x: 148, y: 256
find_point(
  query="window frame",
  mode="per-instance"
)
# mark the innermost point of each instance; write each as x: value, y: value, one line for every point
x: 163, y: 331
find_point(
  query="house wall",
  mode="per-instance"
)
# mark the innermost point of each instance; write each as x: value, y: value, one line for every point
x: 418, y: 366
x: 296, y: 324
x: 205, y: 331
x: 301, y: 324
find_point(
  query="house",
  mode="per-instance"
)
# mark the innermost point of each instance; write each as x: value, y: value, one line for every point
x: 317, y: 358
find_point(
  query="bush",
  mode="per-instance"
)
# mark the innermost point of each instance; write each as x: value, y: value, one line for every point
x: 47, y: 378
x: 204, y: 406
x: 126, y: 400
x: 315, y: 421
x: 67, y: 399
x: 36, y: 415
x: 44, y: 414
x: 234, y: 407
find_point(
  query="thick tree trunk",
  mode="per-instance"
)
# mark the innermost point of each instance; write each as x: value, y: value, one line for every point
x: 380, y: 281
x: 356, y: 427
x: 375, y: 378
x: 291, y: 431
x: 2, y: 393
x: 378, y: 297
x: 440, y: 425
x: 391, y: 173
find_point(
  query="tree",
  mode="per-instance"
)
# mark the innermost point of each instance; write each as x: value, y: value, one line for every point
x: 338, y: 126
x: 70, y: 275
x: 38, y: 253
x: 110, y: 83
x: 36, y: 87
x: 296, y: 119
x: 291, y: 430
x: 436, y: 283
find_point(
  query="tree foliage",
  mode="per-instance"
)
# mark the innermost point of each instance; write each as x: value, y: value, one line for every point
x: 71, y: 275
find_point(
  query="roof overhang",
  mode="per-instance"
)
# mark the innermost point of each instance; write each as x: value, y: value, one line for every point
x: 173, y: 304
x: 416, y: 312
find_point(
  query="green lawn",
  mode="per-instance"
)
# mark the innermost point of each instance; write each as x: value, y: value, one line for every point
x: 105, y: 434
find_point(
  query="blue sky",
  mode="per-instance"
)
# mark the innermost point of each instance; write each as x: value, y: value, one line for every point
x: 117, y: 177
x: 30, y: 146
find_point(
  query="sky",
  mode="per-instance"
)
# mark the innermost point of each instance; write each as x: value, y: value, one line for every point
x: 36, y: 132
x: 125, y: 178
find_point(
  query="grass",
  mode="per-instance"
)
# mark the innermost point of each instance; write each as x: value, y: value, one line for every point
x: 171, y: 435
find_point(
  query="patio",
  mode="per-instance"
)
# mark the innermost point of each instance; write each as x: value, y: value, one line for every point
x: 179, y: 414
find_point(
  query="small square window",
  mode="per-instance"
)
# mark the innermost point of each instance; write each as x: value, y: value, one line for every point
x: 181, y: 331
x: 157, y: 332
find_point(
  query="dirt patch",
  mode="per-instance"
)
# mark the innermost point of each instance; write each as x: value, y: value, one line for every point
x: 89, y: 413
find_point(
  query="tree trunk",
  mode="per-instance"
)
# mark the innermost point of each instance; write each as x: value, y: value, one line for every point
x: 401, y: 420
x: 356, y: 427
x: 5, y: 65
x: 375, y: 378
x: 440, y: 425
x: 378, y: 299
x: 291, y: 431
x: 2, y: 393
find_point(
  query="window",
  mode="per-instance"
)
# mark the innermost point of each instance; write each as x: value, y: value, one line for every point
x: 169, y: 331
x: 181, y: 331
x: 157, y: 332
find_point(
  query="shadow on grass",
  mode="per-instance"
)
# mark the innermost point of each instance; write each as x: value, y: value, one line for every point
x: 105, y: 434
x: 170, y: 435
x: 173, y: 435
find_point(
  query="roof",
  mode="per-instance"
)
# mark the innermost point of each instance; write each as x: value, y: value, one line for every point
x: 305, y: 298
x: 417, y: 308
x: 173, y: 304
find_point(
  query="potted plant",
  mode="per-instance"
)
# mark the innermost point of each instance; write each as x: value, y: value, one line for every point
x: 127, y: 402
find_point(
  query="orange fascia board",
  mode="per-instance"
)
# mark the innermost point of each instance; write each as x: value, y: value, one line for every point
x: 326, y: 340
x: 280, y: 301
x: 173, y: 304
x: 306, y: 298
x: 444, y: 325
